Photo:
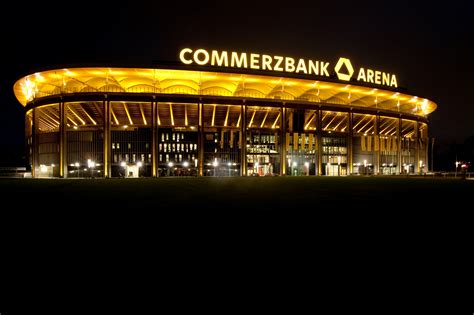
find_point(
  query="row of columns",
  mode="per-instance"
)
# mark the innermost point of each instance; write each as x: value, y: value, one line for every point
x: 243, y: 130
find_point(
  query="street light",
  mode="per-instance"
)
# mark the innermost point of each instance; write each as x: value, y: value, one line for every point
x: 215, y: 164
x: 91, y: 165
x: 229, y: 165
x: 338, y: 165
x: 170, y: 166
x: 139, y: 165
x: 306, y: 165
x: 124, y: 165
x: 77, y: 165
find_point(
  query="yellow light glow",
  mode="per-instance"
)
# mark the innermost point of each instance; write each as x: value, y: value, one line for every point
x: 226, y: 116
x: 39, y: 77
x: 77, y: 116
x: 158, y: 117
x: 128, y: 113
x: 325, y: 115
x: 113, y: 115
x: 330, y: 122
x: 28, y: 88
x: 252, y: 80
x: 264, y: 118
x: 368, y: 122
x: 143, y: 114
x: 276, y: 120
x: 98, y: 73
x: 69, y: 73
x: 171, y: 115
x: 342, y: 120
x: 169, y: 81
x: 185, y: 114
x: 116, y: 72
x: 251, y: 120
x: 89, y: 116
x: 56, y: 121
x: 350, y: 69
x: 213, y: 115
x: 310, y: 120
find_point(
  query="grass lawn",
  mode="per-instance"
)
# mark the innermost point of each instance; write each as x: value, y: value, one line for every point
x: 239, y: 193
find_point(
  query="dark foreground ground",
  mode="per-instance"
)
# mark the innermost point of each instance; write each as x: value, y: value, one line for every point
x: 240, y: 193
x: 369, y: 245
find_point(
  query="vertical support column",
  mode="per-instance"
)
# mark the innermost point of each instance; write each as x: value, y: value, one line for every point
x: 399, y: 152
x: 243, y: 141
x: 27, y: 146
x: 427, y: 144
x: 319, y: 142
x: 200, y: 141
x: 377, y: 153
x: 34, y: 144
x: 62, y: 141
x: 417, y: 148
x: 350, y: 150
x: 107, y: 140
x: 283, y: 140
x: 154, y: 138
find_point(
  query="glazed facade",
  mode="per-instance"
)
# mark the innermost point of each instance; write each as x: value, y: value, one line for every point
x: 131, y: 122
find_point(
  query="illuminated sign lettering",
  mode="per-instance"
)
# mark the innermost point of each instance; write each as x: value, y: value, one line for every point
x: 285, y: 64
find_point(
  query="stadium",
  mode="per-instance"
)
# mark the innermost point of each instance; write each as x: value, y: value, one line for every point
x: 219, y: 113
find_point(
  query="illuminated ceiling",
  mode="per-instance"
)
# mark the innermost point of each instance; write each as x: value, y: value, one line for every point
x: 185, y: 82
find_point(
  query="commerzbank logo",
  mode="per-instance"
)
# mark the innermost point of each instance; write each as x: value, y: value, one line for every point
x: 320, y: 68
x: 341, y: 74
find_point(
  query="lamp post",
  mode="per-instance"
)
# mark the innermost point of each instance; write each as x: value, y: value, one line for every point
x: 456, y: 170
x: 229, y: 165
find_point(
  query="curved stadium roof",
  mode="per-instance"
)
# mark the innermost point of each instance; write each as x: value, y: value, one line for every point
x: 207, y: 83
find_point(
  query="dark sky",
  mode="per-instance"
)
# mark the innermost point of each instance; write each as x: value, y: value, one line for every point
x: 425, y: 44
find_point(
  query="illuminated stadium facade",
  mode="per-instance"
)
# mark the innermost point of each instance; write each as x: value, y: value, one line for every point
x: 223, y: 114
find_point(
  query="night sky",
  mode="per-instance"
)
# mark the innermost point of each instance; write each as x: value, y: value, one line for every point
x: 425, y: 45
